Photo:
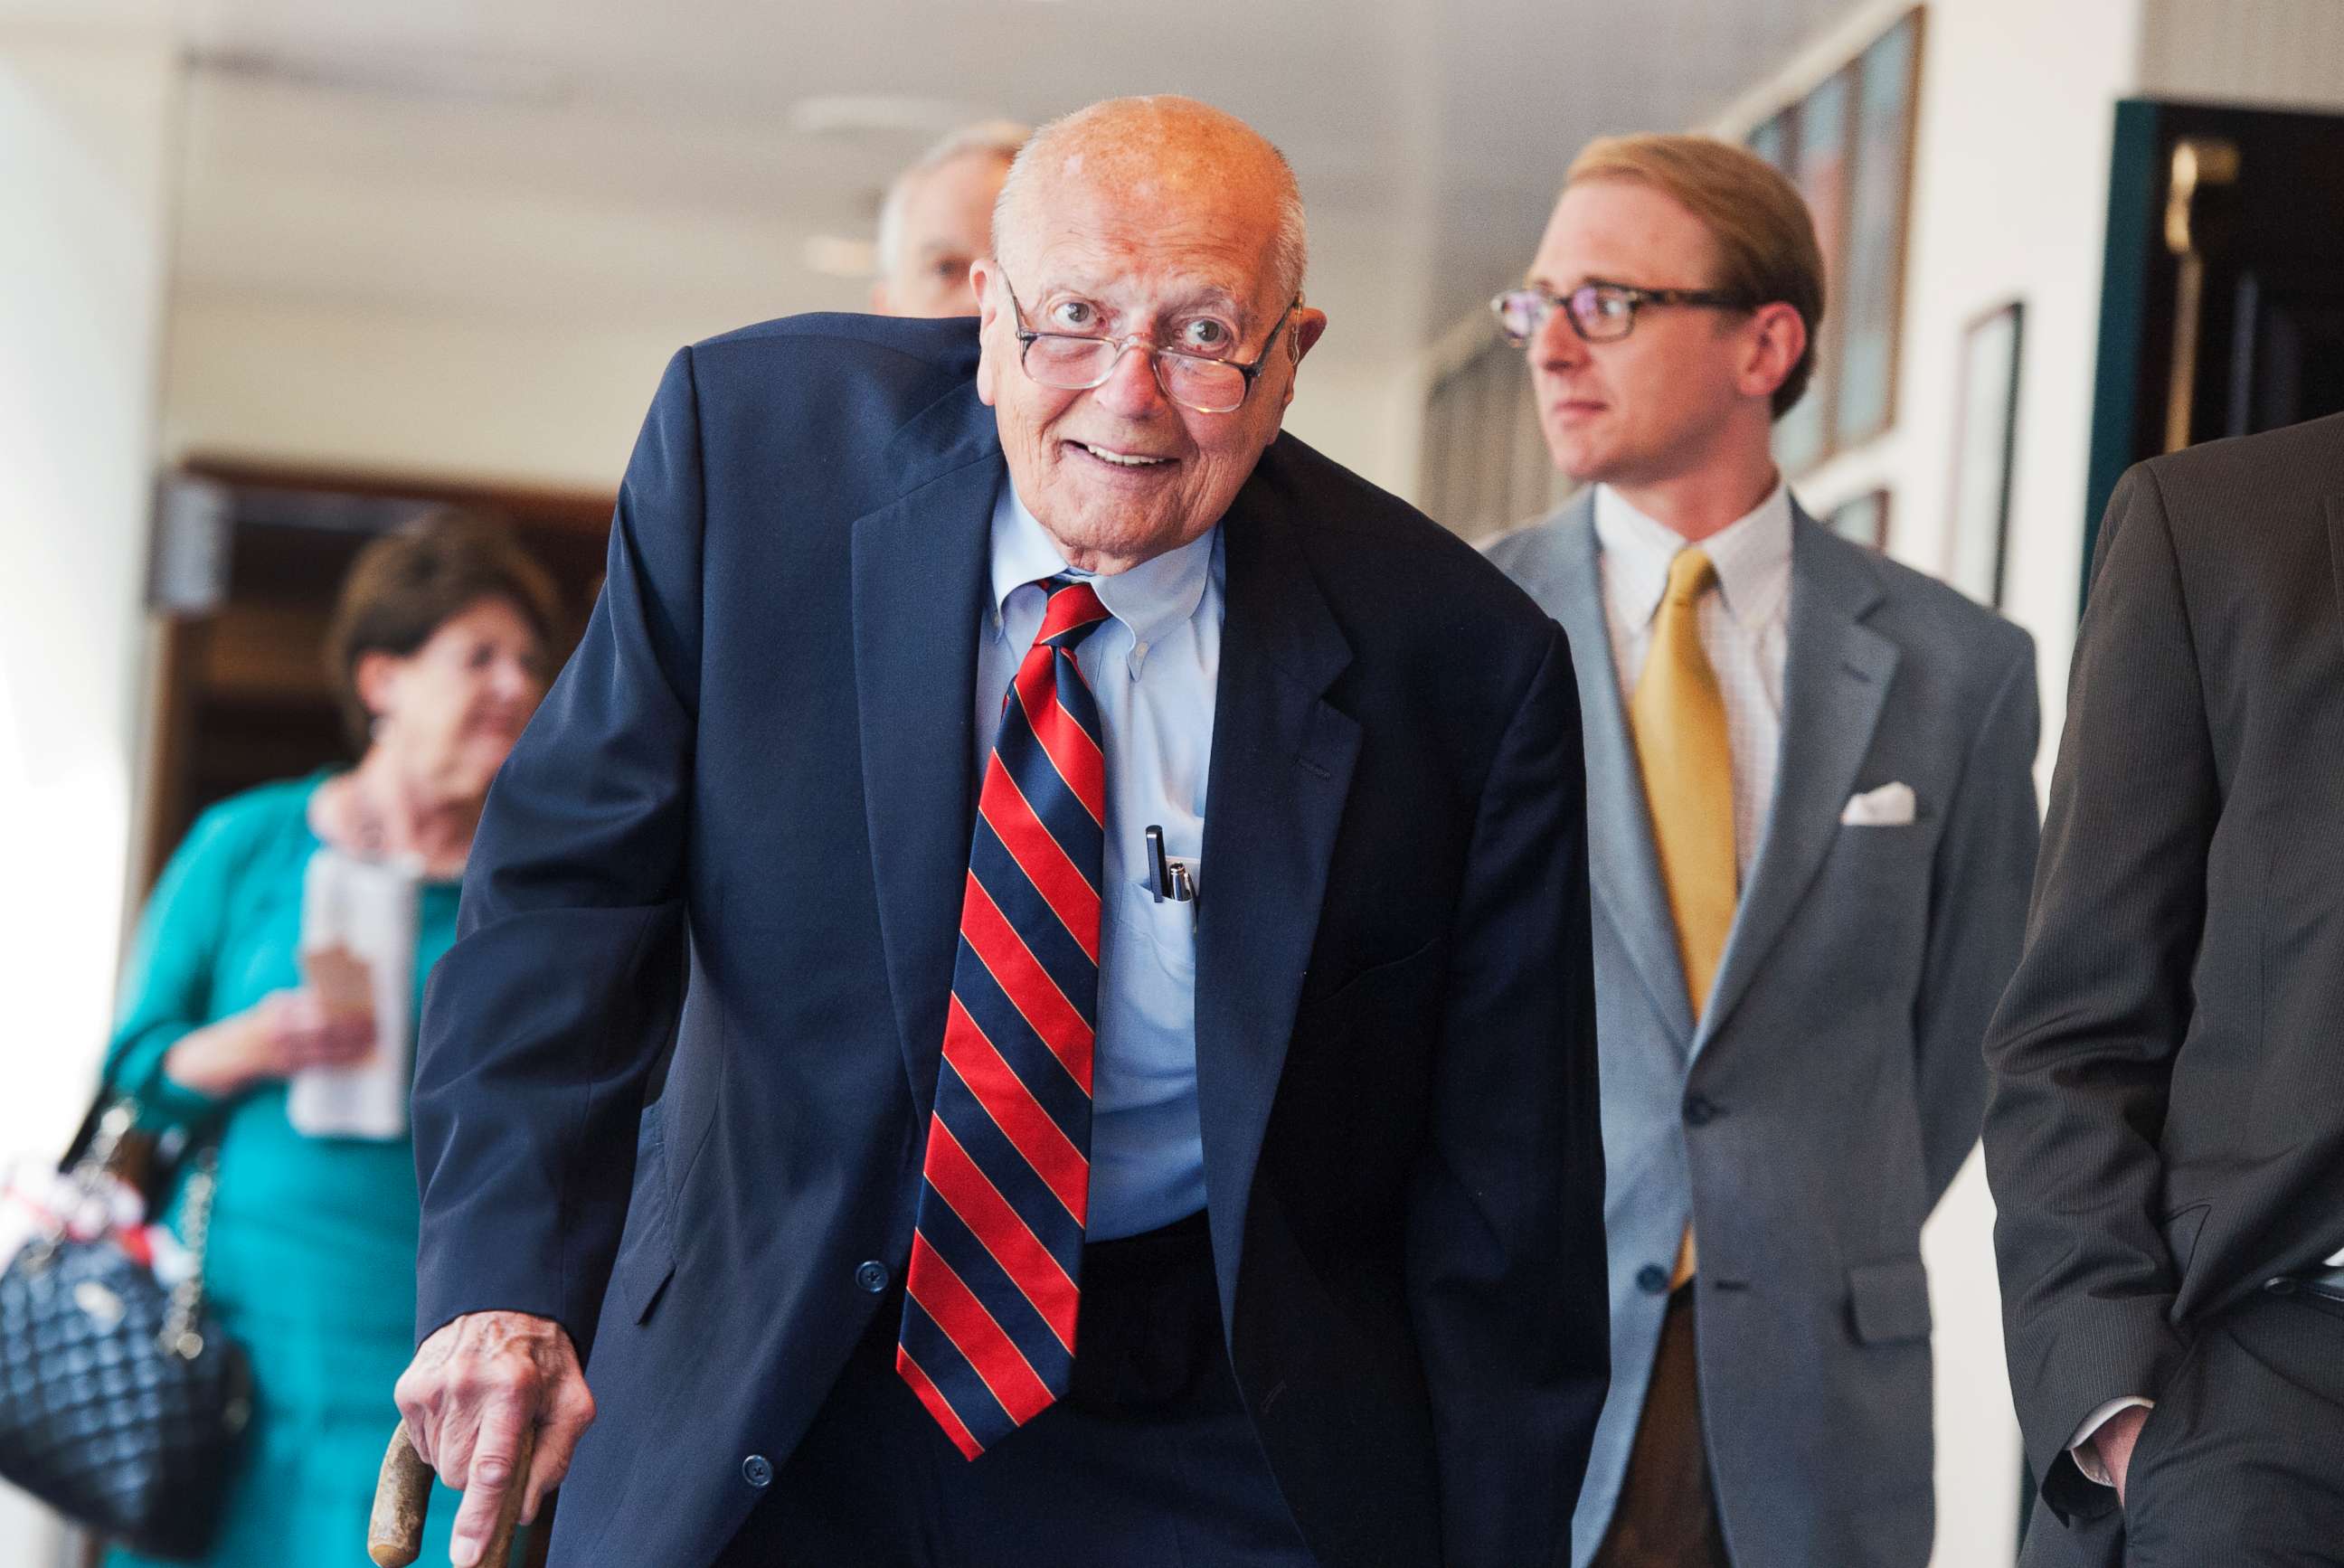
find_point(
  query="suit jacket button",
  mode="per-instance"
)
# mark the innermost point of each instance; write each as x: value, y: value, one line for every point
x: 1700, y: 1111
x: 1652, y: 1280
x: 872, y: 1276
x: 757, y: 1471
x: 2282, y: 1286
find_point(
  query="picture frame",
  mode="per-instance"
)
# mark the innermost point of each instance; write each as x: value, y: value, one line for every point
x: 1870, y: 299
x: 1820, y: 163
x: 1985, y: 438
x: 1849, y: 148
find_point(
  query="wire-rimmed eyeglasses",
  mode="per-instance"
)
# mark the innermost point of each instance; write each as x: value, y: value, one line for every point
x: 1599, y: 312
x: 1071, y: 362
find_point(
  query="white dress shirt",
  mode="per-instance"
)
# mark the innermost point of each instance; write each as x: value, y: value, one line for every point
x: 1744, y: 630
x: 1153, y: 669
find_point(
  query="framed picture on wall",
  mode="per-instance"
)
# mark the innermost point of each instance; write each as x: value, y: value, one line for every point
x: 1985, y: 441
x: 1870, y: 300
x: 1819, y: 167
x: 1848, y: 146
x: 1863, y: 519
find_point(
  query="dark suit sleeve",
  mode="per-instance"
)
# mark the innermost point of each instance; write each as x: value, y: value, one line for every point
x: 2081, y: 1053
x: 544, y: 1019
x: 1505, y: 1229
x: 1978, y: 918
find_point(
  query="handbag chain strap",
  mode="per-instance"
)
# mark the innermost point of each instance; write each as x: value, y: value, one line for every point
x: 181, y: 1333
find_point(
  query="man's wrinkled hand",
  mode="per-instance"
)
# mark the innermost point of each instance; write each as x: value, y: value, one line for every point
x: 475, y: 1386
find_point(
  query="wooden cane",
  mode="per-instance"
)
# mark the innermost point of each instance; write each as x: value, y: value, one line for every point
x: 402, y: 1496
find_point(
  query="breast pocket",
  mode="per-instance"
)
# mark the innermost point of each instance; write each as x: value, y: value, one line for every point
x: 1159, y: 938
x: 1886, y: 864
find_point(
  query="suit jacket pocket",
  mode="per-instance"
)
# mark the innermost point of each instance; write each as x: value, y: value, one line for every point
x: 1377, y: 984
x: 1889, y: 1302
x: 646, y: 1256
x: 2180, y: 1229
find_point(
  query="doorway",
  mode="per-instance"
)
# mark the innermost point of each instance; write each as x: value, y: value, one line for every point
x: 2222, y: 300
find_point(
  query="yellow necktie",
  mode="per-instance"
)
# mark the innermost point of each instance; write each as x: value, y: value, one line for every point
x: 1678, y: 715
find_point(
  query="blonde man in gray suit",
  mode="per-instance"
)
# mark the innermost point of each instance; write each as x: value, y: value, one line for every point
x: 1811, y: 827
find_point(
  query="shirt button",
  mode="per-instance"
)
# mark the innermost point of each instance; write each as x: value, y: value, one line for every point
x: 872, y: 1276
x: 757, y: 1471
x: 1651, y: 1279
x: 1700, y: 1111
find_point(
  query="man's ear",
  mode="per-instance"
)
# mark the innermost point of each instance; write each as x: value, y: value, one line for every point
x: 1778, y: 337
x: 983, y: 274
x: 1308, y: 327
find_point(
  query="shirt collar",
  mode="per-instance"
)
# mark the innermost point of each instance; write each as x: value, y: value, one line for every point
x: 1151, y: 599
x: 1751, y: 554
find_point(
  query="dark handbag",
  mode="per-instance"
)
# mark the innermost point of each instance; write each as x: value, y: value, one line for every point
x: 120, y: 1399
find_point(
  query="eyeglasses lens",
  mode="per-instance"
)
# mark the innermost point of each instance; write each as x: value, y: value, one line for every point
x: 1602, y: 314
x: 1520, y: 313
x: 1076, y: 364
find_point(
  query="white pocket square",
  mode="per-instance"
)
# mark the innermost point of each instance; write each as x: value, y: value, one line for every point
x: 1890, y: 805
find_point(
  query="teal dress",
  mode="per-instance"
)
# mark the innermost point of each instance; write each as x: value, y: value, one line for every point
x: 311, y: 1264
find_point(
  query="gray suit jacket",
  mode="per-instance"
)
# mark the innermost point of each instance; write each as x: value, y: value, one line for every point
x: 1812, y: 1119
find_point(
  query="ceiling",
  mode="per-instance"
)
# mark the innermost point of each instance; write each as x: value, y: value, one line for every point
x: 582, y: 155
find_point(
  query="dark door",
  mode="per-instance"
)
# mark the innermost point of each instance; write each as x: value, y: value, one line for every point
x: 2222, y: 310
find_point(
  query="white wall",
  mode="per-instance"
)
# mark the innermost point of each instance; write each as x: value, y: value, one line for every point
x: 84, y: 123
x: 2010, y: 183
x: 2271, y: 53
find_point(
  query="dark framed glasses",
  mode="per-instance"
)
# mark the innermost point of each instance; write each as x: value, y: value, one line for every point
x: 1598, y: 311
x: 1071, y: 362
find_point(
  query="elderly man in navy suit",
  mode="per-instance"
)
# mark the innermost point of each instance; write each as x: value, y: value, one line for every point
x: 1134, y: 1099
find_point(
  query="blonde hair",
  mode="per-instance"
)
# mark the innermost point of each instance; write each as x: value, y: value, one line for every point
x: 1765, y: 236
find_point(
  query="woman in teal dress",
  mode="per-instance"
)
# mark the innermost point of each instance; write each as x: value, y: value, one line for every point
x: 439, y: 645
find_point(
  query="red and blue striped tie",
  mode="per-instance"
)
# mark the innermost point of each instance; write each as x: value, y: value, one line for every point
x: 991, y: 1297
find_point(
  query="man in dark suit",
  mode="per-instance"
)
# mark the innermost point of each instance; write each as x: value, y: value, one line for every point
x: 2166, y: 1133
x: 914, y: 638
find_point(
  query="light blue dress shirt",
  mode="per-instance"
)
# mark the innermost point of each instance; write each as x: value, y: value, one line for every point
x: 1153, y: 669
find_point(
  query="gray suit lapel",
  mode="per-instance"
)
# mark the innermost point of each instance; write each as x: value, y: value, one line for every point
x: 1563, y: 574
x: 1836, y: 683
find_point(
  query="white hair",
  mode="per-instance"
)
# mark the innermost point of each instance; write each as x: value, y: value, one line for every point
x: 1290, y: 250
x: 1003, y: 139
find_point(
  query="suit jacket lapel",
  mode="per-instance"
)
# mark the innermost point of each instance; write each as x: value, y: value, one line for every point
x: 1622, y: 864
x: 1835, y: 685
x: 919, y: 573
x: 1280, y: 774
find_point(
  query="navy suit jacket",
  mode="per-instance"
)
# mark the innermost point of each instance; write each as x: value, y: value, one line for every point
x: 756, y: 766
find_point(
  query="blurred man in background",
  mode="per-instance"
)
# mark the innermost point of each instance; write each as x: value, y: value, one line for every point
x: 938, y: 218
x: 1811, y: 826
